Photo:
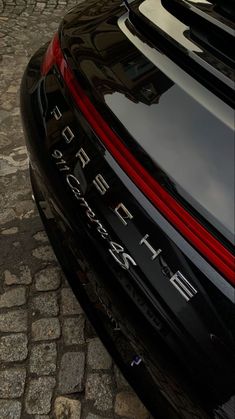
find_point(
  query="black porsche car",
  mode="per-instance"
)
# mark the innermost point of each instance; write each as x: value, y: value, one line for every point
x: 129, y: 122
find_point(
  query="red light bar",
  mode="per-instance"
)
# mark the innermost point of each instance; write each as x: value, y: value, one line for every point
x: 221, y: 258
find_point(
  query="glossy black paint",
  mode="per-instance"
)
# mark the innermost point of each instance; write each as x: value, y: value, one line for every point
x: 187, y: 348
x: 184, y: 141
x: 195, y: 36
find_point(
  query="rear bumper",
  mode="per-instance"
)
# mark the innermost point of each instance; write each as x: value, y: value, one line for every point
x: 132, y: 319
x: 92, y: 294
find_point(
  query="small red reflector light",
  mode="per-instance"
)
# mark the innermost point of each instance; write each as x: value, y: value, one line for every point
x: 194, y: 232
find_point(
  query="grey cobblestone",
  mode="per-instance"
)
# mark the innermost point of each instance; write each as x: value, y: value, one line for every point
x: 13, y: 297
x: 43, y: 358
x: 98, y: 357
x: 70, y: 305
x: 9, y: 231
x: 12, y: 382
x: 41, y: 236
x: 24, y: 209
x: 48, y: 279
x: 24, y: 276
x: 13, y: 347
x: 99, y: 389
x: 45, y: 304
x: 7, y: 215
x: 10, y: 409
x: 44, y: 253
x: 46, y: 329
x: 39, y: 395
x: 71, y: 375
x: 13, y: 321
x: 73, y: 330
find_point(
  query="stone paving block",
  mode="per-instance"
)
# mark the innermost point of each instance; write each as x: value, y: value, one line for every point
x: 7, y: 215
x: 39, y: 395
x: 40, y: 6
x: 13, y: 347
x: 67, y: 408
x: 45, y: 304
x: 98, y: 358
x: 13, y: 321
x: 73, y: 330
x: 10, y: 278
x: 13, y: 297
x: 10, y: 409
x: 43, y: 358
x: 9, y: 231
x: 44, y: 253
x: 71, y: 373
x: 127, y: 404
x: 48, y: 279
x: 41, y: 236
x: 70, y: 305
x: 99, y: 389
x: 46, y: 329
x: 12, y: 382
x: 25, y: 275
x: 24, y: 208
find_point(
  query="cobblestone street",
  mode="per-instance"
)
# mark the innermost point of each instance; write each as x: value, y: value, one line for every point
x: 52, y: 365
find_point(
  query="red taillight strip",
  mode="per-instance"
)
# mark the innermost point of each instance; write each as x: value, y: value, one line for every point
x: 188, y: 226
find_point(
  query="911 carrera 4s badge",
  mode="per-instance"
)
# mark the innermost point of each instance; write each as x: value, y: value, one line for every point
x: 115, y: 249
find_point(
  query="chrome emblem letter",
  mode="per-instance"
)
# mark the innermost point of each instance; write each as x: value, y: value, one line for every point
x: 101, y: 184
x: 56, y: 113
x: 68, y: 134
x: 183, y: 286
x: 83, y: 157
x: 155, y: 253
x: 123, y: 213
x: 120, y: 256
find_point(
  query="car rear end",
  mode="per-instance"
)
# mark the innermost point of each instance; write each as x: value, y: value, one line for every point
x: 131, y: 144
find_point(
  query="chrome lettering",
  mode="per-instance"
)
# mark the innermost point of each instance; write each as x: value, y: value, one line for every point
x: 123, y: 213
x: 183, y: 286
x: 56, y: 113
x: 100, y: 184
x: 68, y: 134
x: 61, y: 163
x: 90, y: 214
x: 102, y: 231
x: 154, y: 252
x: 71, y: 178
x: 81, y: 154
x: 57, y: 154
x: 116, y: 250
x: 120, y: 256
